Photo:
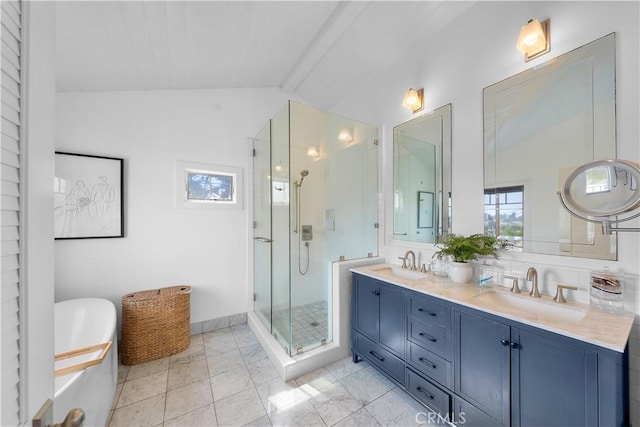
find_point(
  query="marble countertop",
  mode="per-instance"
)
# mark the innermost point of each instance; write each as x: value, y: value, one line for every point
x: 571, y: 319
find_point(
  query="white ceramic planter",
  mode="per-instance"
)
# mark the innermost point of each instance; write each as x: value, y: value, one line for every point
x: 460, y: 272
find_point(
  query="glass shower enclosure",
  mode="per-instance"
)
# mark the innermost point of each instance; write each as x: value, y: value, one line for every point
x: 315, y: 201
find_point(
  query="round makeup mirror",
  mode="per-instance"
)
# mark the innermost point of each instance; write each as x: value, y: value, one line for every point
x: 603, y: 191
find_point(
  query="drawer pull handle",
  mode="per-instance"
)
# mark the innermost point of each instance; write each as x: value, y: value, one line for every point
x: 427, y: 362
x: 376, y: 355
x: 505, y: 342
x: 428, y: 337
x: 375, y: 292
x: 423, y: 392
x: 430, y: 313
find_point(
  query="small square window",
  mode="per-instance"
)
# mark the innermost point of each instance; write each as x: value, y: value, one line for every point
x: 200, y: 185
x: 210, y: 187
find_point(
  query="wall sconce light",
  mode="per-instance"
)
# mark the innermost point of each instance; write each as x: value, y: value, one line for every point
x: 312, y: 151
x: 344, y: 135
x: 414, y: 100
x: 534, y: 39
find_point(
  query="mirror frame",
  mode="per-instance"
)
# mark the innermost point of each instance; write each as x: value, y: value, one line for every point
x: 442, y: 198
x: 587, y: 213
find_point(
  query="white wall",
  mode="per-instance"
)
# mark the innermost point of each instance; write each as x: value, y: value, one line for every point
x: 163, y: 245
x: 473, y: 52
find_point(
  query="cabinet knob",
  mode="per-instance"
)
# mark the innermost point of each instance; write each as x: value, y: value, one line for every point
x: 376, y: 292
x: 505, y: 342
x: 514, y: 345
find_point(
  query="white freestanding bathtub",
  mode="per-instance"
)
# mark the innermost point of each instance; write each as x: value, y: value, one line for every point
x: 80, y: 324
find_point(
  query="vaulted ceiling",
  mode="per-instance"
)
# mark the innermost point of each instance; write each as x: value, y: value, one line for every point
x: 315, y: 49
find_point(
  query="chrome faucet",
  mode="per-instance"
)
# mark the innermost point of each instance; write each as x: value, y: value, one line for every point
x: 411, y: 266
x: 532, y: 275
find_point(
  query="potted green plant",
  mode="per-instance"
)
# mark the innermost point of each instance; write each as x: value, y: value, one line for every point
x: 463, y: 249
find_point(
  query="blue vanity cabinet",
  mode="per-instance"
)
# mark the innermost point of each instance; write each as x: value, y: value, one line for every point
x: 554, y: 382
x: 522, y: 376
x: 482, y: 364
x: 379, y: 332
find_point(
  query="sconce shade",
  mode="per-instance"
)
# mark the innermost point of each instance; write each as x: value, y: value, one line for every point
x: 344, y: 135
x: 533, y: 40
x: 413, y: 100
x: 312, y: 151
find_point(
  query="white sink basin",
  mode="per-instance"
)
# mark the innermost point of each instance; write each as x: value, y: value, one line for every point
x: 400, y: 273
x: 543, y: 310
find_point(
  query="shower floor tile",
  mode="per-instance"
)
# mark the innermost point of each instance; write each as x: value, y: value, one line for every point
x: 309, y: 324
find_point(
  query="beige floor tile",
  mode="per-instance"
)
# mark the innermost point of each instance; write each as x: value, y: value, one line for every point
x: 316, y: 380
x: 360, y: 418
x: 232, y: 382
x: 142, y: 388
x: 276, y: 394
x: 262, y: 371
x: 122, y: 373
x: 334, y: 403
x: 149, y: 368
x: 221, y: 363
x: 302, y: 414
x: 253, y: 353
x: 146, y: 412
x: 240, y: 408
x: 396, y: 408
x: 188, y: 398
x: 201, y: 417
x: 345, y: 367
x: 181, y: 374
x: 116, y: 395
x: 366, y: 385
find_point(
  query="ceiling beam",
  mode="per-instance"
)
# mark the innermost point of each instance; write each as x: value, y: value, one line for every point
x: 338, y: 21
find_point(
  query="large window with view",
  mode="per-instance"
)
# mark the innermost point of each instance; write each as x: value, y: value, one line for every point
x: 504, y: 214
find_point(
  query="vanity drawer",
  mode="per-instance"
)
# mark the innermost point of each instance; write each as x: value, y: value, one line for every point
x: 436, y: 339
x: 429, y: 394
x: 429, y: 310
x: 431, y: 365
x: 380, y: 357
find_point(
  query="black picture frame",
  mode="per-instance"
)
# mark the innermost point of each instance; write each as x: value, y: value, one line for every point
x: 88, y: 196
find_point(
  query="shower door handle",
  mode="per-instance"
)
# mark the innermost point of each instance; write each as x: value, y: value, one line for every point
x: 263, y: 239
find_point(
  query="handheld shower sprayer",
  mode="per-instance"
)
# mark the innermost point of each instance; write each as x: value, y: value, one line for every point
x: 303, y: 173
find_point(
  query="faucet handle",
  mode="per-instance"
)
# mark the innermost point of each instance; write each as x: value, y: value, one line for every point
x: 559, y: 296
x: 404, y: 261
x: 424, y: 268
x: 514, y: 287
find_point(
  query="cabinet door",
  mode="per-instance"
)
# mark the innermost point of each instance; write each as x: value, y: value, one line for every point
x: 367, y: 306
x: 554, y: 382
x: 392, y: 318
x: 482, y: 364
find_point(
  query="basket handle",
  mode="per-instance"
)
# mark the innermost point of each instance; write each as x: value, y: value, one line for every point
x: 105, y: 347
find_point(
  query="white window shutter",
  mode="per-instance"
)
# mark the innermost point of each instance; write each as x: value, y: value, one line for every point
x: 10, y: 289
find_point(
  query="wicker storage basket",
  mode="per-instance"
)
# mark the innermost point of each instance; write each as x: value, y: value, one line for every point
x: 155, y: 324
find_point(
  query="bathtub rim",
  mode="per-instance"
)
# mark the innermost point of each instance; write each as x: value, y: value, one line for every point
x: 62, y: 383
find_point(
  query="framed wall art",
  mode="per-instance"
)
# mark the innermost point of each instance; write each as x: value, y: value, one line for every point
x: 88, y: 198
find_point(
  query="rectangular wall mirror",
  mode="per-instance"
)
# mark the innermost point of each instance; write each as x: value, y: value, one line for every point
x: 538, y: 126
x: 422, y: 177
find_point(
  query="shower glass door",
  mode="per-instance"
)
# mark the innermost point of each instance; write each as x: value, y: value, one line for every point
x: 262, y: 240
